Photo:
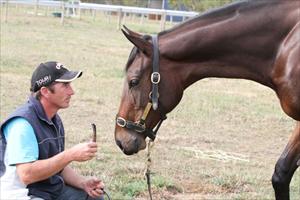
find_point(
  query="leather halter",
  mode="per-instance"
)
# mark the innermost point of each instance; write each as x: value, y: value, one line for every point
x: 140, y: 126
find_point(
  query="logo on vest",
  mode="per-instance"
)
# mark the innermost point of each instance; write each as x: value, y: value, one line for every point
x: 43, y: 81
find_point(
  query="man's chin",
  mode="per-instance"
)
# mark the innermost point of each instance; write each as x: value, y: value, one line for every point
x: 65, y: 106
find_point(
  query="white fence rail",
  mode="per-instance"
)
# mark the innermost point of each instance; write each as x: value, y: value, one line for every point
x: 121, y: 10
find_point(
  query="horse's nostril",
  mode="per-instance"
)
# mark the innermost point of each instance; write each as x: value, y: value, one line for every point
x: 136, y: 143
x: 119, y: 144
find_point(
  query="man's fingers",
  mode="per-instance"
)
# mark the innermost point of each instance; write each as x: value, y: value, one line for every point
x: 96, y: 193
x: 92, y: 144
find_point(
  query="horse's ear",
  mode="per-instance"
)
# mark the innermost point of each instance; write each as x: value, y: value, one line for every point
x: 138, y: 41
x: 131, y: 32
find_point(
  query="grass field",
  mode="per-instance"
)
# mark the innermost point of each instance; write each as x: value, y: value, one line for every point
x: 221, y: 142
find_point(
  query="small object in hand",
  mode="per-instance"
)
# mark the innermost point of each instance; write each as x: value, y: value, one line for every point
x: 94, y: 133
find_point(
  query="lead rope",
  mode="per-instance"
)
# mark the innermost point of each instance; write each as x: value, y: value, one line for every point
x: 94, y: 138
x: 150, y: 144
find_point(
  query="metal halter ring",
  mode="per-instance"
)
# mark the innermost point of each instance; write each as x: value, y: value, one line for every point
x: 121, y: 122
x: 155, y: 77
x: 150, y: 95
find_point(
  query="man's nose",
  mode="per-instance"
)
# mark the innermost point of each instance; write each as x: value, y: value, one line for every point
x: 70, y: 91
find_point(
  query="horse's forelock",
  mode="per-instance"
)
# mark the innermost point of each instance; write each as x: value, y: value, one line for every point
x: 132, y: 55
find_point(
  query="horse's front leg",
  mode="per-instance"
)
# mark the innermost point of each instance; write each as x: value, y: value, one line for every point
x: 286, y: 166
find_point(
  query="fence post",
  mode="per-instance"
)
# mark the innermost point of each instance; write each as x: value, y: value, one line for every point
x: 163, y: 21
x: 6, y: 11
x: 79, y: 11
x: 62, y: 13
x: 36, y: 7
x: 124, y: 18
x: 108, y: 16
x: 47, y: 11
x: 142, y: 18
x: 94, y: 14
x: 120, y: 18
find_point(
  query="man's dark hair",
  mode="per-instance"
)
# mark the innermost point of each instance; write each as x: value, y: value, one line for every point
x: 38, y: 94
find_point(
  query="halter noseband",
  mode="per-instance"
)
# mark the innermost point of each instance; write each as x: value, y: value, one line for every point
x: 140, y: 126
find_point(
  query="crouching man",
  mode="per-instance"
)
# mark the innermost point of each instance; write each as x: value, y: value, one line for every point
x: 33, y: 161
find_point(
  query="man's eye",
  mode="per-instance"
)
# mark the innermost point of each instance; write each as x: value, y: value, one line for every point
x: 133, y: 82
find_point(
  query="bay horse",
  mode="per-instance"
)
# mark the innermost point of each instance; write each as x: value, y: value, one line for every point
x: 258, y: 40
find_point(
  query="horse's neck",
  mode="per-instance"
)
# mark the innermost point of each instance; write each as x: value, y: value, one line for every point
x: 238, y: 45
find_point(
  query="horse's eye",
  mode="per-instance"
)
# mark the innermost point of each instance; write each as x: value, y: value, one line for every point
x: 133, y: 82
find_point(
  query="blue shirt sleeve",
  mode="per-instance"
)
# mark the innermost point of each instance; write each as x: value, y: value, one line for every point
x: 22, y: 146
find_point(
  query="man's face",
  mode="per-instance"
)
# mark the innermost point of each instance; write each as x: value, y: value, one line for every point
x: 60, y: 95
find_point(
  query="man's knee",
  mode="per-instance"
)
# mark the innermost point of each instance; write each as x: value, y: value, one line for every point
x: 70, y: 192
x: 99, y: 198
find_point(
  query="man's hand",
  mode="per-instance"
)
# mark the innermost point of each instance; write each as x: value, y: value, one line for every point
x: 83, y: 151
x: 94, y: 187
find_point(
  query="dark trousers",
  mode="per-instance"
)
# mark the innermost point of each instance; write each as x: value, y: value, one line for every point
x: 71, y: 193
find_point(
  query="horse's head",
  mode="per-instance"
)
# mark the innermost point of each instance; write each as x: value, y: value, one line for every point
x: 148, y: 94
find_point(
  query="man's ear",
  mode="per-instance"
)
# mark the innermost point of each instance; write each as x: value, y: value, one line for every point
x: 45, y: 92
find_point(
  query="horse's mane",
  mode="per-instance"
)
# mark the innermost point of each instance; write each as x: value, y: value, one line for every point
x: 230, y: 9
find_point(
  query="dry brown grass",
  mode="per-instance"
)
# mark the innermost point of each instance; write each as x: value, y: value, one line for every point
x: 221, y: 142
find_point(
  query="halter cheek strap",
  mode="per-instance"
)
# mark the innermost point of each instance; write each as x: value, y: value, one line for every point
x: 155, y: 76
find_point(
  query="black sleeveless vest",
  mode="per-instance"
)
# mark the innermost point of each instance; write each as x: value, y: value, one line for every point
x: 50, y: 138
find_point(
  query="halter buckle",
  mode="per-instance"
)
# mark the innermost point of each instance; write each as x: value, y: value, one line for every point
x: 121, y: 122
x: 155, y: 77
x: 150, y: 95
